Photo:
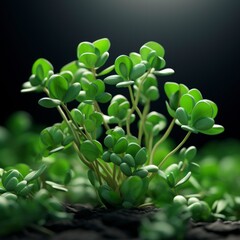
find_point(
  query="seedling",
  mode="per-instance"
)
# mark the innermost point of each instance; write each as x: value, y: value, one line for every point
x: 117, y: 136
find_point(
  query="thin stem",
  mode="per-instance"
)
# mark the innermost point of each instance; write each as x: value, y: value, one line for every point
x: 161, y: 140
x: 144, y: 115
x: 175, y: 149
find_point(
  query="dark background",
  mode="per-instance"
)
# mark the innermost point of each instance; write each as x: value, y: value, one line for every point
x: 201, y: 39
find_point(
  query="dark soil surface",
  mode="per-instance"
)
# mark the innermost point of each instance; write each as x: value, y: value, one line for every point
x: 100, y: 224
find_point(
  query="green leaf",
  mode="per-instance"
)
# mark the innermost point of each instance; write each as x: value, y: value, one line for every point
x: 90, y: 125
x: 106, y: 70
x: 141, y: 172
x: 202, y: 109
x: 156, y: 47
x: 151, y: 168
x: 123, y: 66
x: 109, y: 141
x: 170, y: 88
x: 121, y: 145
x: 182, y: 116
x: 190, y: 153
x: 204, y: 123
x: 135, y: 57
x: 11, y: 184
x: 196, y: 94
x: 42, y: 65
x: 109, y: 196
x: 102, y: 60
x: 77, y: 116
x: 115, y: 159
x: 67, y: 75
x: 103, y: 97
x: 56, y: 186
x: 141, y: 156
x: 72, y: 92
x: 89, y: 150
x: 137, y: 71
x: 152, y: 93
x: 72, y: 67
x: 131, y: 189
x: 85, y: 47
x: 133, y: 148
x: 57, y: 86
x: 103, y: 45
x: 183, y: 180
x: 92, y: 176
x: 124, y: 84
x: 35, y: 174
x: 88, y: 59
x: 189, y: 129
x: 216, y: 129
x: 145, y: 52
x: 129, y: 160
x: 164, y: 72
x: 187, y: 101
x: 126, y: 169
x: 113, y: 79
x: 49, y: 102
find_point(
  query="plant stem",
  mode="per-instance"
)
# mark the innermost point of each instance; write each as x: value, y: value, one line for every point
x: 161, y: 140
x: 144, y: 115
x: 175, y: 149
x: 96, y: 105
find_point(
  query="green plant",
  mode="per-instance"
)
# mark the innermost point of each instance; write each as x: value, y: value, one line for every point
x: 119, y: 146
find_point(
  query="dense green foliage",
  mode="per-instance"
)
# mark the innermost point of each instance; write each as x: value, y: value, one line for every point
x: 119, y: 157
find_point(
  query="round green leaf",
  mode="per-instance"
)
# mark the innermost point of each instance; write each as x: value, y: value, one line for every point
x: 190, y: 153
x: 142, y: 172
x: 103, y: 45
x: 77, y: 116
x: 196, y: 94
x: 141, y: 156
x: 156, y: 47
x: 135, y: 57
x: 85, y: 47
x: 170, y: 88
x: 137, y: 71
x: 57, y: 86
x: 129, y: 160
x: 202, y: 109
x: 121, y: 145
x: 187, y: 102
x: 133, y: 148
x: 49, y: 102
x: 152, y: 93
x: 216, y: 129
x: 182, y: 116
x: 124, y: 84
x: 113, y: 79
x: 164, y: 72
x: 115, y: 159
x: 103, y: 97
x: 89, y: 150
x: 88, y: 59
x: 72, y: 92
x: 204, y: 123
x: 123, y: 66
x: 126, y: 169
x: 41, y: 68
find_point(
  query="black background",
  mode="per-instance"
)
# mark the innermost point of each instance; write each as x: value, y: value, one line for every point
x: 201, y: 39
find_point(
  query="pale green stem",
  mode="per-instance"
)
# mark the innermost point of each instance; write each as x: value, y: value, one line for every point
x: 144, y: 115
x: 161, y: 140
x: 175, y: 149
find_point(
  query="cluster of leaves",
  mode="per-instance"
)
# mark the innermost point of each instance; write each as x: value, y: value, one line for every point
x: 122, y: 165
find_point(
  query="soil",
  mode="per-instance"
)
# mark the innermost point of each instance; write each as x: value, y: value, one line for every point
x: 101, y: 224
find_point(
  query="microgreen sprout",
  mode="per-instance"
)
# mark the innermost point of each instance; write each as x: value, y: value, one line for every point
x: 117, y: 136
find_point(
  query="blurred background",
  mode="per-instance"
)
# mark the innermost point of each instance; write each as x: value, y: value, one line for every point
x: 201, y: 40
